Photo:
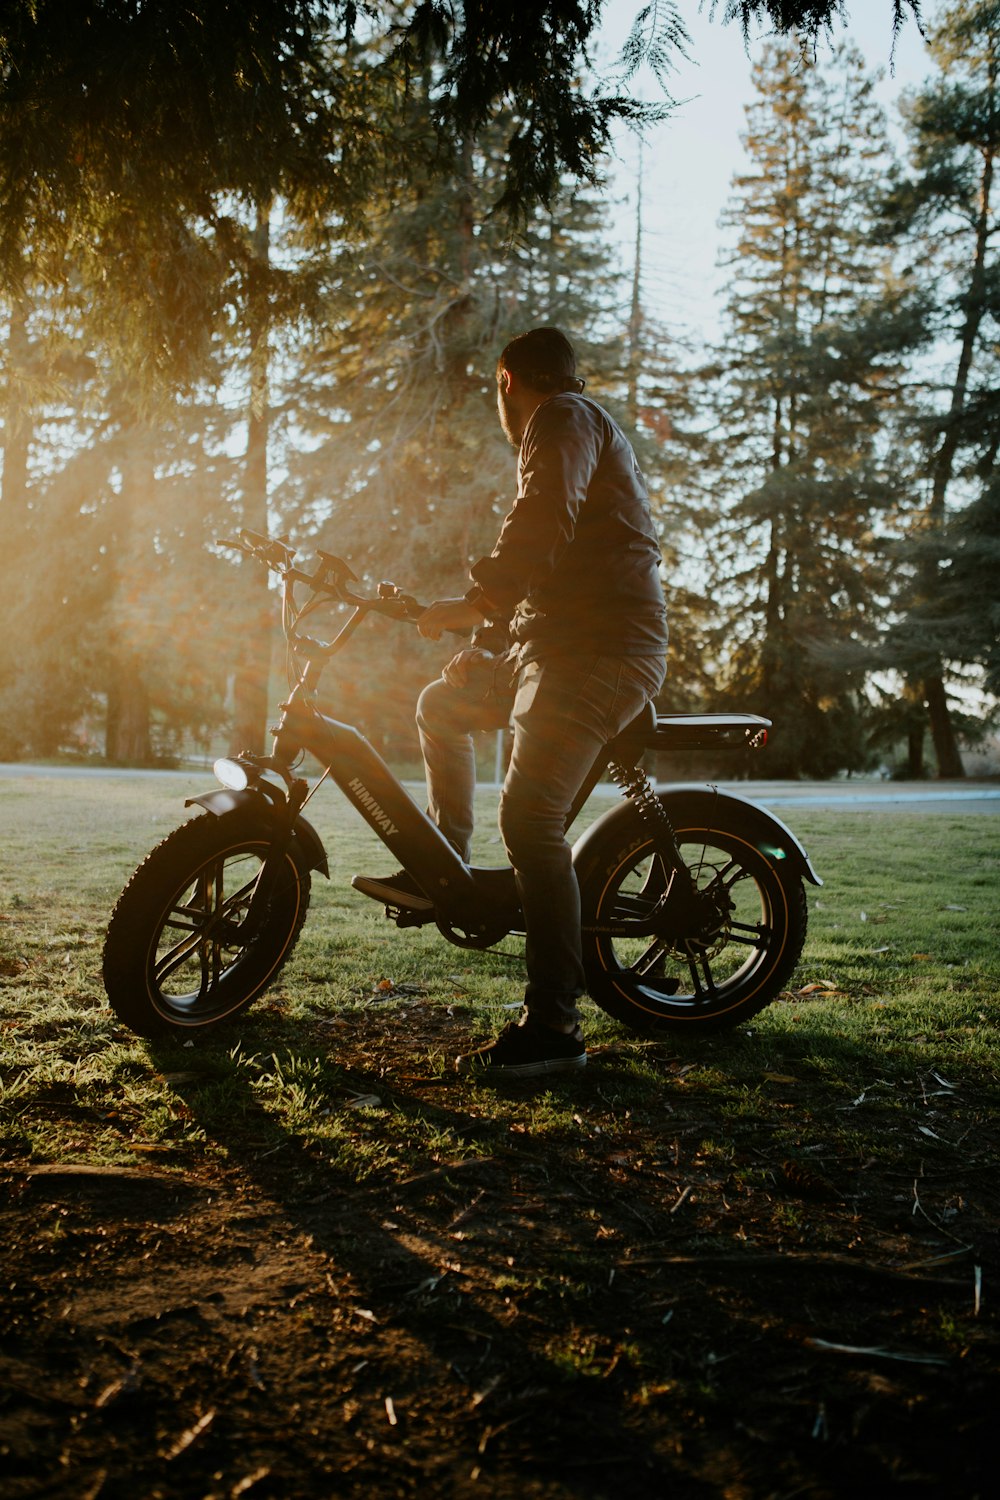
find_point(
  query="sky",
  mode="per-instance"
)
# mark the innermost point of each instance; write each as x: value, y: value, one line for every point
x: 690, y: 159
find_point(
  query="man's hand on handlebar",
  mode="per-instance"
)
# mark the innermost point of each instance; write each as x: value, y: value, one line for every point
x: 448, y: 614
x: 467, y: 665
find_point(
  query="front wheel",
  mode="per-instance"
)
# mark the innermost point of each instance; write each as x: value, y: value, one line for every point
x: 662, y: 965
x: 178, y: 954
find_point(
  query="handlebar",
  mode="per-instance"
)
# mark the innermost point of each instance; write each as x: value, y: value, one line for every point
x: 332, y: 576
x: 331, y: 580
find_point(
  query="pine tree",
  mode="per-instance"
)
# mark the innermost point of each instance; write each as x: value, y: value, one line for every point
x: 46, y: 663
x: 126, y: 129
x: 809, y: 368
x: 659, y: 407
x: 104, y: 521
x: 397, y: 460
x: 946, y: 219
x: 970, y: 591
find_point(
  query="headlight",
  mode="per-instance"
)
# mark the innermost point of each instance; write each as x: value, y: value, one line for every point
x: 232, y: 775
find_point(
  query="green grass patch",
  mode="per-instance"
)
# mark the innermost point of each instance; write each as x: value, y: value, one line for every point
x: 894, y: 1001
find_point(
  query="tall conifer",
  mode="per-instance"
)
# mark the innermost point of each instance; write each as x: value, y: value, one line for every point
x: 946, y: 217
x: 809, y: 366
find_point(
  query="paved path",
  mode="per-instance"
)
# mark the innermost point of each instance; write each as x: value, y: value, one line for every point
x: 980, y: 797
x: 883, y: 796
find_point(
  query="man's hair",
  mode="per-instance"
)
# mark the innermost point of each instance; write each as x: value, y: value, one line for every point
x: 544, y: 359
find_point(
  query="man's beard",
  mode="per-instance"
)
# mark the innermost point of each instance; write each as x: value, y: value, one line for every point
x: 508, y: 421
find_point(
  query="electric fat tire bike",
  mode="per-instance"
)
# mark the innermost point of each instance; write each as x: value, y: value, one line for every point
x: 693, y: 904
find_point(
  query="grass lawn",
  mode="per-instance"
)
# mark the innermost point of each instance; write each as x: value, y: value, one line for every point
x: 761, y: 1263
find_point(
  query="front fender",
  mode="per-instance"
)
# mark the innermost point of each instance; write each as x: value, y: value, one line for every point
x: 701, y: 807
x: 223, y: 800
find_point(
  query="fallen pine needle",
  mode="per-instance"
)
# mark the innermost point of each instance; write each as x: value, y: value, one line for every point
x: 746, y: 1260
x: 912, y: 1359
x: 936, y: 1260
x: 190, y: 1436
x: 249, y: 1480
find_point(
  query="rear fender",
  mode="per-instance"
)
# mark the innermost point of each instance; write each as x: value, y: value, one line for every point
x: 222, y: 800
x: 706, y: 807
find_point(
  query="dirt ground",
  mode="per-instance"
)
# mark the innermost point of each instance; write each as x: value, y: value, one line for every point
x: 621, y: 1312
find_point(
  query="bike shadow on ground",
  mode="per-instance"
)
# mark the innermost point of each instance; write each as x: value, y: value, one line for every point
x: 427, y: 1242
x: 497, y: 1224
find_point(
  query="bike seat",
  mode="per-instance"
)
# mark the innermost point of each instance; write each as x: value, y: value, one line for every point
x: 644, y: 721
x: 636, y: 735
x: 678, y: 732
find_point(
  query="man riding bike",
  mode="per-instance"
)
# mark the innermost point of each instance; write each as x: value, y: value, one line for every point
x: 573, y: 579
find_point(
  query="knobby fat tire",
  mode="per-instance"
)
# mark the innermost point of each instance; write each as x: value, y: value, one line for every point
x: 143, y: 925
x: 646, y: 1004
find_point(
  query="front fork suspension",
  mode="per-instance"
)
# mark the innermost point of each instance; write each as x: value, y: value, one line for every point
x: 284, y: 812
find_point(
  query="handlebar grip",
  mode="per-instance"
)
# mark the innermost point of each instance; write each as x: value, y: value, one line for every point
x: 273, y: 552
x: 401, y: 607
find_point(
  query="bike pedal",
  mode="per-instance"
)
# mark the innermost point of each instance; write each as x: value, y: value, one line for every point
x: 405, y: 916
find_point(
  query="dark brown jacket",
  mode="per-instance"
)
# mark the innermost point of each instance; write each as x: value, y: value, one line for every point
x: 576, y: 565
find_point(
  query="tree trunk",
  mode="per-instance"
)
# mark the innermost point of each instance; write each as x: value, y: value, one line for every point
x: 17, y: 427
x: 635, y: 312
x: 949, y: 761
x: 915, y: 752
x: 126, y: 735
x: 253, y: 672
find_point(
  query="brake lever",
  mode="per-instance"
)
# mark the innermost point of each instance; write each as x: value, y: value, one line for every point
x: 400, y: 606
x: 272, y: 551
x: 390, y: 600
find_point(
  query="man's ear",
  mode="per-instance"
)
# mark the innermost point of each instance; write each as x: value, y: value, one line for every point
x: 506, y: 381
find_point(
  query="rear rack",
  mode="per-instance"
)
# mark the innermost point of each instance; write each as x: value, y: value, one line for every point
x: 709, y: 732
x: 675, y: 733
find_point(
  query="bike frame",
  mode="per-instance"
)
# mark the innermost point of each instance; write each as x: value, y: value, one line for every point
x: 472, y: 905
x: 462, y: 894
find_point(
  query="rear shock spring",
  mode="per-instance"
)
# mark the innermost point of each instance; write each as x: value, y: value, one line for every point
x: 636, y: 787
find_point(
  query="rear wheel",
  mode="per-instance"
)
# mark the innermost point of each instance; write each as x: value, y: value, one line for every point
x: 178, y: 954
x: 696, y: 966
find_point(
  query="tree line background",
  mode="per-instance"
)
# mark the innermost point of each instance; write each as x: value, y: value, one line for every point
x: 291, y: 324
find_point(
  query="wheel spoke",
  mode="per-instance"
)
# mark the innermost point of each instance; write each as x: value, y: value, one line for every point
x: 711, y: 987
x: 175, y: 957
x: 730, y: 874
x: 655, y: 881
x: 693, y: 961
x: 648, y: 960
x: 712, y: 955
x: 749, y: 935
x: 195, y: 923
x: 204, y: 912
x: 196, y: 912
x: 631, y: 907
x: 179, y: 951
x: 208, y: 955
x: 211, y: 952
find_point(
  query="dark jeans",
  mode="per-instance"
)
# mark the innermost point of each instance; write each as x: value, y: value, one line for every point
x: 563, y: 712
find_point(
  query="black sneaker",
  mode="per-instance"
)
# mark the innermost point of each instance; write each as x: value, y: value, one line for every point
x: 394, y: 890
x: 526, y: 1050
